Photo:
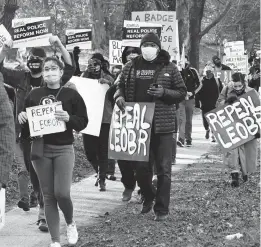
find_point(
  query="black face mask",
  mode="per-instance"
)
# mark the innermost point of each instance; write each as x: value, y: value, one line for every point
x: 240, y: 91
x: 35, y: 65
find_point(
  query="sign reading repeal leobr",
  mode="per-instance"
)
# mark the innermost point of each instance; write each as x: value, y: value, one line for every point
x: 130, y: 132
x: 236, y: 124
x: 42, y: 121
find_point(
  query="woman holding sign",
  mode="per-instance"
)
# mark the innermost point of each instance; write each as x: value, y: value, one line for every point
x: 244, y: 157
x: 55, y: 161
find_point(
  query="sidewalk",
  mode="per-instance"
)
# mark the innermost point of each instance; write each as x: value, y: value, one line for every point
x: 89, y: 204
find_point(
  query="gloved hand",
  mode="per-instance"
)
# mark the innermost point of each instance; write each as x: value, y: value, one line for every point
x: 231, y: 99
x: 120, y: 102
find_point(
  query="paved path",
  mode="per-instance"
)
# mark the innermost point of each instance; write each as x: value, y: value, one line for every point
x: 89, y: 203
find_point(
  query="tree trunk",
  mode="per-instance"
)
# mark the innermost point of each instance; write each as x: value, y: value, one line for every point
x: 99, y: 33
x: 8, y: 8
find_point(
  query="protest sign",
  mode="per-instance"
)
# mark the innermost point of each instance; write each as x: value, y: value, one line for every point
x: 4, y: 36
x: 224, y: 76
x: 93, y: 94
x: 130, y: 132
x: 238, y: 63
x: 2, y: 208
x: 134, y: 31
x: 42, y: 121
x: 234, y: 48
x: 31, y: 32
x: 115, y: 52
x: 79, y: 37
x: 168, y: 21
x: 236, y: 124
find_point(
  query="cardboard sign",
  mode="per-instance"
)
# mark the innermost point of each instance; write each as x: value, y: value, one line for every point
x: 79, y: 37
x: 236, y: 124
x: 168, y: 21
x: 115, y: 52
x: 42, y: 121
x: 4, y: 36
x: 2, y: 208
x: 93, y: 94
x: 31, y: 32
x: 224, y: 75
x: 130, y: 132
x: 134, y: 31
x: 238, y: 63
x: 234, y: 48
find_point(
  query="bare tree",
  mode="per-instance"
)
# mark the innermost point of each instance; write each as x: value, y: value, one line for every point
x: 7, y: 8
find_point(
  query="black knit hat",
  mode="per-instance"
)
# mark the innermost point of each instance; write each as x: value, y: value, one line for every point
x: 151, y: 37
x: 98, y: 56
x: 38, y: 51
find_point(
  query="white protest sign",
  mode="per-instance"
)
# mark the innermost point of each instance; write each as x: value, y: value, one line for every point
x: 31, y: 32
x: 2, y: 208
x: 93, y: 94
x: 115, y: 52
x: 79, y: 37
x: 42, y: 121
x: 238, y: 63
x: 168, y: 21
x: 234, y: 48
x: 134, y: 31
x: 4, y: 36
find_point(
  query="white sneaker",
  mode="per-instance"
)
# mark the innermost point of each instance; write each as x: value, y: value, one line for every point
x: 55, y: 244
x: 72, y: 234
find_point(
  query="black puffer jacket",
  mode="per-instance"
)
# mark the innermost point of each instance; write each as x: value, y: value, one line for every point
x: 166, y: 75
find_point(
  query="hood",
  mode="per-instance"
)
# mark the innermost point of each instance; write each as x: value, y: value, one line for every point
x: 124, y: 56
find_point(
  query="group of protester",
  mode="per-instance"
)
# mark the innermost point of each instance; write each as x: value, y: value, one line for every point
x: 49, y: 159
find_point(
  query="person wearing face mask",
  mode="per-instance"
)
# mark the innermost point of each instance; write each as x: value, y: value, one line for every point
x: 24, y: 80
x: 244, y: 157
x: 96, y: 148
x: 218, y: 65
x: 207, y: 96
x: 116, y: 70
x: 54, y: 166
x: 255, y: 74
x: 151, y: 77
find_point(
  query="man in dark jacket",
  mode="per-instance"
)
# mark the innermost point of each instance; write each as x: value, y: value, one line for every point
x: 208, y: 95
x: 163, y: 85
x: 186, y: 107
x: 255, y: 74
x: 218, y: 65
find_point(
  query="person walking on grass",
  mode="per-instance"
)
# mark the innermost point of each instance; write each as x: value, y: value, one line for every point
x: 244, y: 157
x: 151, y: 77
x: 55, y: 158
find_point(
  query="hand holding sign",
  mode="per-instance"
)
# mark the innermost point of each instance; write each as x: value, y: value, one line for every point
x: 8, y: 45
x: 55, y: 41
x: 62, y: 115
x: 22, y: 117
x: 156, y: 91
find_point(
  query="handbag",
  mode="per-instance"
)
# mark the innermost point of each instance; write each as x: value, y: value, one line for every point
x: 37, y: 146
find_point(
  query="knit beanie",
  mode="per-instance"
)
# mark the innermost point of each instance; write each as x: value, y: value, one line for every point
x: 38, y: 51
x: 151, y: 37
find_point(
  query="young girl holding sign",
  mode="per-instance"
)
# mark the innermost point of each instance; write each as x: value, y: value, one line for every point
x: 243, y: 157
x: 55, y: 165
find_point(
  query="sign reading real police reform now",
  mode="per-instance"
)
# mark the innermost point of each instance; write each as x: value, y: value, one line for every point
x: 42, y: 121
x: 130, y: 132
x: 79, y: 37
x: 134, y: 31
x: 168, y: 21
x: 236, y: 124
x: 31, y: 32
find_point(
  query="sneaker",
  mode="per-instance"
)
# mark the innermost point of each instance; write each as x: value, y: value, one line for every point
x: 55, y: 244
x: 42, y: 226
x: 161, y: 217
x: 213, y: 139
x: 102, y: 184
x: 180, y: 143
x: 126, y: 195
x: 72, y: 234
x: 207, y: 134
x: 24, y: 204
x: 33, y: 201
x: 189, y: 143
x: 147, y: 206
x: 112, y: 178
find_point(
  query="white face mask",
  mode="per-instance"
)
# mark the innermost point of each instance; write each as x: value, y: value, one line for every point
x: 149, y: 53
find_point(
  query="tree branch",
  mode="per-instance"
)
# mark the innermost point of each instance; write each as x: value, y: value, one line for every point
x: 217, y: 20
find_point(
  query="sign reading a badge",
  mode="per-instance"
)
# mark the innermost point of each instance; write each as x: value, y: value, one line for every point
x: 31, y: 32
x: 134, y: 31
x: 130, y: 132
x: 79, y: 37
x: 42, y: 121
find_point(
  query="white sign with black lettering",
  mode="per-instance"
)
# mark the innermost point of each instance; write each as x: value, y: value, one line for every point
x: 79, y: 37
x: 4, y: 36
x: 42, y: 121
x: 115, y: 52
x: 234, y: 48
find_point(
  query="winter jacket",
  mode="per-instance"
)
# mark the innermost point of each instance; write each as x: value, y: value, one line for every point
x: 192, y: 80
x: 166, y: 75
